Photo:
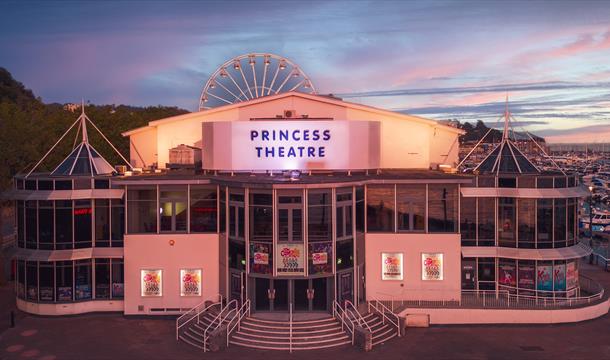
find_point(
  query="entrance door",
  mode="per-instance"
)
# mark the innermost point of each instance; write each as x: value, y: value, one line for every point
x: 280, y: 287
x: 237, y: 286
x: 301, y: 302
x: 345, y: 287
x: 319, y: 288
x: 263, y: 291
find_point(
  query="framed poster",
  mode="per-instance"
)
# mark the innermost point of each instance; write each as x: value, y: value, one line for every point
x: 507, y: 274
x: 559, y: 277
x: 320, y: 255
x: 260, y: 258
x: 432, y: 266
x: 544, y: 277
x: 290, y: 259
x: 571, y: 275
x: 152, y: 282
x: 391, y: 266
x: 190, y: 282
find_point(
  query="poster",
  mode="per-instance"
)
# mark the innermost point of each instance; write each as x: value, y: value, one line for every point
x: 432, y: 266
x: 290, y: 259
x: 391, y: 266
x: 544, y: 277
x: 118, y: 290
x: 46, y: 293
x: 571, y: 275
x: 64, y: 293
x: 190, y: 282
x: 319, y: 258
x: 260, y: 258
x: 82, y: 291
x: 507, y: 274
x: 527, y: 276
x: 559, y: 277
x: 152, y: 282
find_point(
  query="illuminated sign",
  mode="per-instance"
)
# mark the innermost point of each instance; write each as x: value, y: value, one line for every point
x: 291, y: 145
x: 290, y: 259
x: 432, y: 266
x: 391, y: 266
x: 152, y: 282
x: 190, y: 282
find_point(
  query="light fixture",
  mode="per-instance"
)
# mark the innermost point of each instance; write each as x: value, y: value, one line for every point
x: 282, y: 64
x: 296, y: 73
x: 236, y: 65
x: 223, y: 72
x: 307, y: 84
x: 267, y: 61
x: 252, y: 61
x: 591, y: 188
x: 212, y: 85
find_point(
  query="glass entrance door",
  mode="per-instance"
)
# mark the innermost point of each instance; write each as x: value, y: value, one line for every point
x: 301, y: 302
x: 263, y: 293
x: 319, y: 294
x: 280, y: 302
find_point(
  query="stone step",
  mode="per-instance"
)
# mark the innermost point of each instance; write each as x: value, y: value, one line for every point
x: 295, y: 337
x: 287, y: 348
x: 281, y: 341
x: 246, y: 328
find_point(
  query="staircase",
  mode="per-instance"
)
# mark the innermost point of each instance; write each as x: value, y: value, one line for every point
x: 193, y: 333
x: 381, y: 332
x: 275, y: 335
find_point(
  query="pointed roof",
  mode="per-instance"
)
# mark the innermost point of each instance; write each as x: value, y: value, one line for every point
x: 84, y: 160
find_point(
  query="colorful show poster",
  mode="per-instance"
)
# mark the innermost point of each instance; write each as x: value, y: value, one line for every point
x: 152, y: 282
x: 290, y: 259
x: 46, y: 293
x: 82, y: 291
x: 507, y: 274
x: 559, y: 277
x: 432, y: 266
x: 118, y: 290
x: 391, y: 266
x: 544, y: 277
x: 571, y: 275
x: 260, y: 258
x: 527, y: 276
x: 64, y: 293
x: 319, y: 255
x: 190, y: 282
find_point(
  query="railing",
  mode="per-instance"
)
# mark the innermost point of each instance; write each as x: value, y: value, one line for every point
x: 358, y: 318
x: 505, y: 297
x: 235, y: 321
x: 193, y: 313
x: 346, y: 323
x: 222, y: 316
x: 290, y: 341
x: 383, y: 310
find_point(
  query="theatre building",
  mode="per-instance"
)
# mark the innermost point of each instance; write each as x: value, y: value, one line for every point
x: 291, y: 200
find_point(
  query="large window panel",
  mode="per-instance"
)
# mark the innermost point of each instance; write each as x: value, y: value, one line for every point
x: 82, y: 223
x: 571, y: 221
x: 117, y: 214
x: 442, y: 208
x: 507, y: 222
x: 560, y: 223
x: 63, y: 224
x: 102, y: 222
x: 21, y: 224
x: 545, y: 223
x: 468, y: 222
x: 486, y: 221
x: 64, y: 284
x: 46, y: 228
x: 118, y: 279
x: 102, y: 278
x: 47, y: 281
x: 261, y: 217
x: 141, y: 210
x: 31, y: 224
x: 32, y: 280
x: 411, y: 207
x: 380, y: 208
x: 527, y: 223
x: 319, y: 215
x: 82, y: 277
x: 204, y: 210
x: 173, y: 208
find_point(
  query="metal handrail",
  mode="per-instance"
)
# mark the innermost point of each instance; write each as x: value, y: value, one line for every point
x: 239, y: 315
x: 180, y: 321
x: 359, y: 318
x: 384, y: 310
x: 339, y: 313
x: 211, y: 327
x: 290, y: 328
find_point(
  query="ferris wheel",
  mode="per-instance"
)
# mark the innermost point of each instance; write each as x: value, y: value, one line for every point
x: 251, y: 76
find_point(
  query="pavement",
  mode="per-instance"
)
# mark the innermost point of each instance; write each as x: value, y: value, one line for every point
x: 114, y: 336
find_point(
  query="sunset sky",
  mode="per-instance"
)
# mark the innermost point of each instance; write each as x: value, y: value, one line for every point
x: 437, y: 59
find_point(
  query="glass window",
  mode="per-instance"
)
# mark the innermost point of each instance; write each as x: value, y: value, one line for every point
x: 63, y: 276
x: 527, y: 223
x: 82, y: 277
x: 507, y: 182
x: 31, y: 224
x: 101, y: 183
x: 468, y: 224
x: 527, y: 182
x: 21, y: 224
x: 360, y: 209
x: 45, y: 225
x: 560, y: 223
x: 32, y: 280
x: 261, y: 217
x: 380, y: 208
x: 63, y: 224
x: 204, y: 210
x: 63, y: 184
x: 45, y: 184
x: 222, y: 211
x: 289, y: 216
x: 486, y: 181
x: 442, y: 208
x: 47, y: 279
x: 544, y: 182
x: 320, y: 257
x: 571, y: 220
x: 486, y: 221
x: 82, y: 183
x: 545, y: 223
x: 507, y: 274
x: 319, y: 215
x: 526, y: 277
x: 82, y: 223
x: 345, y: 254
x: 102, y: 278
x: 172, y: 208
x: 344, y: 228
x: 117, y: 221
x: 118, y: 282
x: 237, y: 255
x: 142, y: 210
x: 102, y: 222
x: 507, y: 225
x: 30, y: 184
x: 21, y: 279
x: 487, y: 273
x: 411, y: 207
